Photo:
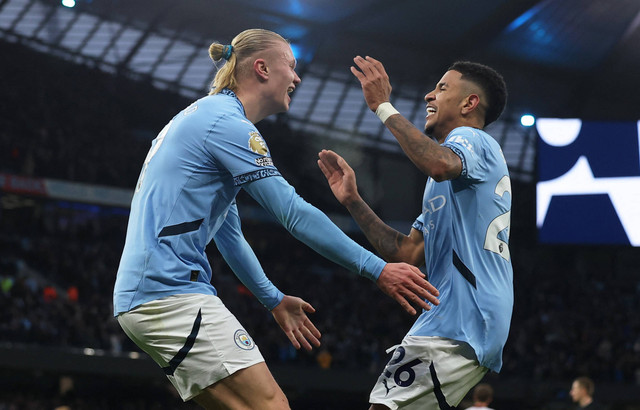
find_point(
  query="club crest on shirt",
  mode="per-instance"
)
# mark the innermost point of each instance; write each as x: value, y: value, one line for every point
x: 243, y: 340
x: 257, y: 144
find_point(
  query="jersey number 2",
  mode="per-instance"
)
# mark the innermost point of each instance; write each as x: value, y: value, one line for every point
x: 154, y: 148
x: 491, y: 241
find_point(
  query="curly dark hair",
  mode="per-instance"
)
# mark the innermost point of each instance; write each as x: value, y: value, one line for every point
x: 491, y: 83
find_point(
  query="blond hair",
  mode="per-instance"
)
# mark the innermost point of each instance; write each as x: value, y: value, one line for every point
x: 245, y: 45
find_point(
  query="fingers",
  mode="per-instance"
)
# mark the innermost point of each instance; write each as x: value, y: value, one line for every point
x: 358, y: 74
x: 302, y: 341
x: 365, y: 66
x: 293, y: 340
x: 417, y: 292
x: 310, y: 330
x: 423, y: 287
x: 314, y: 331
x: 305, y: 336
x: 405, y: 305
x: 331, y: 163
x: 377, y: 64
x: 324, y: 169
x: 408, y: 286
x: 369, y: 67
x: 293, y: 320
x: 308, y: 308
x: 334, y: 161
x: 343, y: 164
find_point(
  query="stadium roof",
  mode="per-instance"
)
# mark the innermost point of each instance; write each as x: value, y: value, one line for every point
x: 561, y: 58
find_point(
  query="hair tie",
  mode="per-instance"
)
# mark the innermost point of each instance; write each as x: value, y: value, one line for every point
x: 226, y: 52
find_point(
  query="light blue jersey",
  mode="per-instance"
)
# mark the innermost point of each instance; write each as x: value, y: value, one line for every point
x: 465, y: 224
x: 185, y: 197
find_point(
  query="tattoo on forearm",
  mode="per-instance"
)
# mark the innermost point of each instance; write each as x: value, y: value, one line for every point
x: 421, y: 149
x: 385, y: 239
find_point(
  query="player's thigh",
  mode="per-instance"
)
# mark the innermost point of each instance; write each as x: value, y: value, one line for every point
x: 194, y: 338
x: 250, y: 388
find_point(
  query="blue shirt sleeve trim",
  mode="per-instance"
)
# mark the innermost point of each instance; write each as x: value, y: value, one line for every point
x: 460, y: 154
x: 255, y: 175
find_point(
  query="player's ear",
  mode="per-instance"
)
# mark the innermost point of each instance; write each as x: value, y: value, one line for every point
x: 260, y: 69
x: 470, y: 103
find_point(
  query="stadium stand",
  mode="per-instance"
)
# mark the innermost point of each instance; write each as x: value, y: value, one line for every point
x: 575, y: 313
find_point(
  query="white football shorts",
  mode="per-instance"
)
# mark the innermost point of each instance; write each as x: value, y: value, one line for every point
x: 427, y: 373
x: 193, y: 337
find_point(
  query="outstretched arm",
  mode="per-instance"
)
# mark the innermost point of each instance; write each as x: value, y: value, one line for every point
x: 289, y: 311
x: 391, y: 244
x: 436, y: 161
x: 403, y: 282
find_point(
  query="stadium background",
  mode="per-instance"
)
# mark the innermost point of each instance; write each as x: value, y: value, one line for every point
x: 85, y: 89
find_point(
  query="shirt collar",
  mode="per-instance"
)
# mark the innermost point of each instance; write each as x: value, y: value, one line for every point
x: 230, y: 93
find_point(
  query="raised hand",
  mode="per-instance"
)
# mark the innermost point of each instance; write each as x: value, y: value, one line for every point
x: 407, y: 285
x: 373, y: 79
x: 340, y: 176
x: 290, y: 315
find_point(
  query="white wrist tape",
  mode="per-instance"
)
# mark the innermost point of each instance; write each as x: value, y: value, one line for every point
x: 385, y: 110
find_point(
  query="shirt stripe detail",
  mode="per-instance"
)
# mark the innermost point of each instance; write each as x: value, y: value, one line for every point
x: 188, y: 344
x: 462, y: 268
x: 181, y: 228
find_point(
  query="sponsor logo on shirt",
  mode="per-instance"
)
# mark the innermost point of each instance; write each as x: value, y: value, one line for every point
x: 257, y: 144
x: 462, y: 141
x: 255, y: 175
x: 264, y: 161
x: 432, y: 206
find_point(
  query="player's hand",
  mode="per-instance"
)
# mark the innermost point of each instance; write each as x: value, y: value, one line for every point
x: 373, y: 79
x: 290, y: 315
x: 407, y: 285
x: 340, y: 176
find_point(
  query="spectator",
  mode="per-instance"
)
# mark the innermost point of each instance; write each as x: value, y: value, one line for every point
x: 581, y: 393
x: 482, y: 397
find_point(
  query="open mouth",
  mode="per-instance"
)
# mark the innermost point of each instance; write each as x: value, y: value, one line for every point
x: 430, y: 111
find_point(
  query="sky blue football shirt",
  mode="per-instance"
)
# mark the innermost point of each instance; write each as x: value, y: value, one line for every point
x: 185, y: 197
x: 465, y: 224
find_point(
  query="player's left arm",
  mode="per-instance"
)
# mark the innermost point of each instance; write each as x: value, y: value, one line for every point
x: 288, y: 311
x: 238, y: 254
x: 438, y: 162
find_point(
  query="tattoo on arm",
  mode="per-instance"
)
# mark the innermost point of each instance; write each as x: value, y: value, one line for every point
x: 385, y: 239
x: 424, y: 152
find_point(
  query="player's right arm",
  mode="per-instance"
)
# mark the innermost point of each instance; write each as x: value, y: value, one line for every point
x: 401, y: 281
x: 391, y: 244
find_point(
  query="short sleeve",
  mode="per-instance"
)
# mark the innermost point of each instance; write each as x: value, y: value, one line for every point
x: 418, y: 224
x: 236, y: 145
x: 468, y: 145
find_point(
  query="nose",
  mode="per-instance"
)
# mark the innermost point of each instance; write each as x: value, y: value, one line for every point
x: 296, y: 80
x: 430, y: 96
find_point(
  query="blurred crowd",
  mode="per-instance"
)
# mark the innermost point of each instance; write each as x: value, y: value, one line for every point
x: 575, y: 312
